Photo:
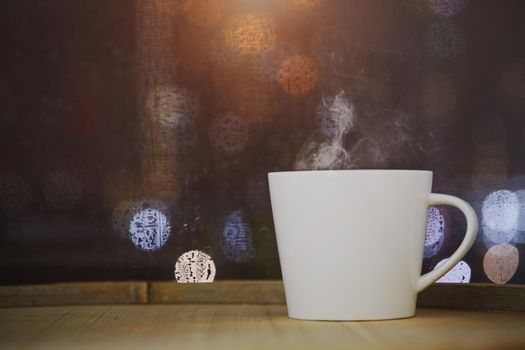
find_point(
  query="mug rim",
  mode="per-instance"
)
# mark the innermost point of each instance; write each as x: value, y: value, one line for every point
x: 349, y: 171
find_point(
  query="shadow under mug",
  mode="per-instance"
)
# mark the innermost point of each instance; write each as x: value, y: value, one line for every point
x: 351, y: 241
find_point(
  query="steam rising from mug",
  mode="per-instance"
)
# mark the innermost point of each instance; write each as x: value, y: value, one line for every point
x: 386, y: 140
x: 324, y: 149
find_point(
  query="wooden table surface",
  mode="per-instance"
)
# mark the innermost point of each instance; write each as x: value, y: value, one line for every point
x: 245, y: 326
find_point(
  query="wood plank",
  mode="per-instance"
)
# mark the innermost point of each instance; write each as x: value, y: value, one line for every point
x: 220, y: 292
x: 452, y: 296
x: 474, y: 296
x: 248, y: 326
x: 479, y: 296
x: 78, y: 293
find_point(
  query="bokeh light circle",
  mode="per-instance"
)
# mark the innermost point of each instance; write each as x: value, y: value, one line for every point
x: 249, y: 34
x: 501, y: 262
x: 520, y: 235
x: 435, y: 232
x: 458, y: 274
x: 194, y: 266
x: 149, y: 229
x: 499, y: 216
x: 236, y: 239
x: 298, y: 75
x: 126, y: 209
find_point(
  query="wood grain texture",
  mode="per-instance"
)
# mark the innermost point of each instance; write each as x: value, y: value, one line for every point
x: 78, y: 293
x: 451, y: 296
x: 221, y: 292
x: 474, y: 296
x: 226, y: 327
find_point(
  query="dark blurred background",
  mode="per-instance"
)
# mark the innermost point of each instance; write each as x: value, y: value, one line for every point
x: 136, y: 131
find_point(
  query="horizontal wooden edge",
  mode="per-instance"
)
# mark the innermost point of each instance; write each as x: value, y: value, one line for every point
x: 222, y: 292
x: 75, y: 293
x: 474, y: 296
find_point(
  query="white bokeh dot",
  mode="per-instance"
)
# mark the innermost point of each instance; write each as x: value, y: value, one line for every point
x: 458, y: 274
x: 149, y: 229
x: 435, y: 232
x: 520, y: 235
x: 194, y: 266
x: 499, y: 216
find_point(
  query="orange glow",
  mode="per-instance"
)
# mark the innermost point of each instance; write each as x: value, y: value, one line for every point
x: 249, y: 34
x: 298, y: 75
x: 301, y: 4
x: 501, y: 262
x: 204, y: 13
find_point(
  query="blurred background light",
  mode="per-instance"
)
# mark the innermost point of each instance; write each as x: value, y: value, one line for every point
x: 149, y: 229
x: 298, y: 75
x: 249, y: 34
x: 459, y: 273
x: 499, y: 216
x: 194, y: 266
x: 236, y: 240
x: 435, y: 232
x: 501, y: 262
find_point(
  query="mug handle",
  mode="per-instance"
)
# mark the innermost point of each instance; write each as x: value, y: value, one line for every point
x: 470, y: 236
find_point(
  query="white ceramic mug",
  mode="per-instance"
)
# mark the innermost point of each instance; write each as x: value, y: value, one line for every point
x: 351, y: 241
